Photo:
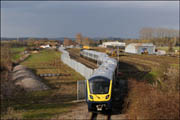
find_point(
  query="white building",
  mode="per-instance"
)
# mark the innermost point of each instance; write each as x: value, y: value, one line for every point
x: 113, y: 44
x: 45, y: 46
x: 139, y: 48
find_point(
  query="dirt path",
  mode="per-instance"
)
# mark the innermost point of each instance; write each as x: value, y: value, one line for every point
x: 81, y: 112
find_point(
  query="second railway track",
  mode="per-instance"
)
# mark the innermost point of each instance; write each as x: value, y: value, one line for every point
x: 76, y: 55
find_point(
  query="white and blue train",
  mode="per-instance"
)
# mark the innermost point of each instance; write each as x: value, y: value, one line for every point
x: 99, y: 85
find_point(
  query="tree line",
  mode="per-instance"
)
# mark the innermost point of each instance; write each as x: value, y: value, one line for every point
x: 160, y: 36
x: 81, y: 40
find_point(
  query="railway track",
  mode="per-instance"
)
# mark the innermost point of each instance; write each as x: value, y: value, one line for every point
x: 76, y: 56
x: 95, y: 116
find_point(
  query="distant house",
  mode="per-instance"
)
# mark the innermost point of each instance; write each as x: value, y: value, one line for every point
x: 113, y: 44
x: 140, y: 48
x: 45, y: 46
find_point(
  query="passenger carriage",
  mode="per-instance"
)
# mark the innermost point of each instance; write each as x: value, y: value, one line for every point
x: 99, y: 85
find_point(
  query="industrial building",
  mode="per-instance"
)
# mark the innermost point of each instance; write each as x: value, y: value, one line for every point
x: 113, y: 44
x: 140, y: 48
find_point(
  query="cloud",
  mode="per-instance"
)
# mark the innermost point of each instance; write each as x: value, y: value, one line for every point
x: 45, y: 4
x: 92, y: 18
x: 18, y: 4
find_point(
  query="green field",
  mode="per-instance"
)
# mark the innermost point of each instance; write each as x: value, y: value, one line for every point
x: 166, y: 48
x: 49, y: 103
x: 157, y: 64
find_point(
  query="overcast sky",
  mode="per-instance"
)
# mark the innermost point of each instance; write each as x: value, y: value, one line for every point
x: 92, y: 18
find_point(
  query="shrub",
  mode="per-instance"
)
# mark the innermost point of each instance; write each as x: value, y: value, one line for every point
x: 147, y: 102
x: 170, y: 80
x: 9, y: 91
x: 6, y: 63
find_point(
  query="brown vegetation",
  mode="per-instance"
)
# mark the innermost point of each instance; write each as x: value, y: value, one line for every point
x: 6, y: 63
x: 160, y: 36
x: 147, y: 102
x: 32, y: 42
x: 156, y: 95
x: 68, y: 42
x: 170, y: 80
x: 81, y: 40
x: 9, y: 90
x: 87, y: 41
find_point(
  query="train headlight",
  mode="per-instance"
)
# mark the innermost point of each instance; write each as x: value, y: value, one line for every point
x: 107, y: 96
x: 91, y: 96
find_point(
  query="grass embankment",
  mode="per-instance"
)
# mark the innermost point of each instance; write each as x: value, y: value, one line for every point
x: 157, y: 64
x: 16, y: 52
x: 155, y: 94
x: 9, y: 91
x: 57, y: 100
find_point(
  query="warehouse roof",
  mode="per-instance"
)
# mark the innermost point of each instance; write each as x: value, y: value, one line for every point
x: 114, y: 43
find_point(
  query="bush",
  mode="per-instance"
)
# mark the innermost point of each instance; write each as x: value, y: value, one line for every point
x: 147, y: 102
x: 6, y: 63
x: 170, y: 80
x: 12, y: 114
x: 9, y: 91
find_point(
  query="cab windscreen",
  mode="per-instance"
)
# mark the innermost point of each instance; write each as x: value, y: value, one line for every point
x: 99, y: 86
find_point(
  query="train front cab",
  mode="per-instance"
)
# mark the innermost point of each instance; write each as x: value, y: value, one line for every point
x: 99, y: 93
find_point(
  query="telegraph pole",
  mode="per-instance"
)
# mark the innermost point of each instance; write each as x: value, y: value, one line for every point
x: 118, y: 59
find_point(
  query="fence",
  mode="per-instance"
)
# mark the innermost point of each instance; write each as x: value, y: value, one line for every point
x: 81, y: 89
x: 80, y: 68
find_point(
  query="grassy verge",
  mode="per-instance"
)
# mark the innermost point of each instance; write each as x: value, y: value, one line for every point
x: 166, y: 48
x: 16, y: 52
x: 49, y: 103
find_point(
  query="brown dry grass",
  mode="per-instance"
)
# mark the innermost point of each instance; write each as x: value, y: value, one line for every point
x: 160, y: 99
x: 6, y: 63
x: 9, y: 91
x: 170, y: 80
x: 147, y: 102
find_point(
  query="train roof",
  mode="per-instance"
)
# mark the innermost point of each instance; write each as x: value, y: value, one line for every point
x: 106, y: 69
x: 95, y: 52
x: 108, y: 66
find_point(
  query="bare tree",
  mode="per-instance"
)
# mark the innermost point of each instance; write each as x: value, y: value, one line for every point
x: 79, y: 38
x: 159, y: 36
